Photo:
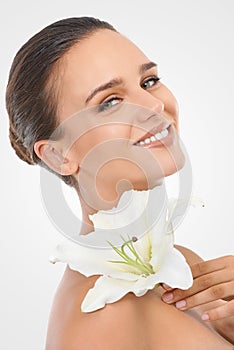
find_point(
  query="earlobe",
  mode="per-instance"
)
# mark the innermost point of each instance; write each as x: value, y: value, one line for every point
x: 49, y: 153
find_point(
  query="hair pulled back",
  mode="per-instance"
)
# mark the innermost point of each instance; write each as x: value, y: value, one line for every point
x: 30, y: 99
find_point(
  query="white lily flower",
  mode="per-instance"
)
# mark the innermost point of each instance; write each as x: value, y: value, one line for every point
x: 138, y: 265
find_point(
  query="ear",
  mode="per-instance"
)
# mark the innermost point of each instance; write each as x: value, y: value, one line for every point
x: 51, y: 154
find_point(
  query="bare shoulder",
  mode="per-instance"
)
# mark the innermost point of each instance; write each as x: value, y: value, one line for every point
x: 131, y: 323
x: 66, y: 320
x: 71, y: 329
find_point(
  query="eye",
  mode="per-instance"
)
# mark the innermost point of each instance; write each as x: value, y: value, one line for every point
x: 108, y: 103
x: 152, y: 81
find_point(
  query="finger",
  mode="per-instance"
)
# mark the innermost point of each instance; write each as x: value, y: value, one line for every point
x: 199, y: 284
x: 209, y: 266
x: 219, y: 291
x: 220, y: 312
x: 166, y: 287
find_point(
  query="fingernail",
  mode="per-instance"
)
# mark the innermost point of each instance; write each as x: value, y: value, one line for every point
x: 205, y: 317
x: 167, y: 297
x: 166, y: 286
x: 180, y: 304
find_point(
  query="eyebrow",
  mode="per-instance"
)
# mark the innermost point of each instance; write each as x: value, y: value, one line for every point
x: 118, y: 81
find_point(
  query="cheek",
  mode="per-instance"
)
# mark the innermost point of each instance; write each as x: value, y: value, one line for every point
x: 171, y: 106
x: 103, y: 137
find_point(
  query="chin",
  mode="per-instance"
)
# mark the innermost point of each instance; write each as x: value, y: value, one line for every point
x: 155, y: 175
x: 174, y: 165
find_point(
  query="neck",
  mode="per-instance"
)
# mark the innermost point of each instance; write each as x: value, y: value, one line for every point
x: 87, y: 225
x: 106, y: 200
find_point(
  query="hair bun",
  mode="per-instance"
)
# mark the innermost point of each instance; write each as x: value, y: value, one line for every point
x: 19, y: 148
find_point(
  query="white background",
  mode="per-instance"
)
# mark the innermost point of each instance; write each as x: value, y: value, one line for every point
x: 192, y: 41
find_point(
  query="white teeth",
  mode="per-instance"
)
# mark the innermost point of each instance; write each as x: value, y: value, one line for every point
x: 164, y: 132
x: 158, y: 136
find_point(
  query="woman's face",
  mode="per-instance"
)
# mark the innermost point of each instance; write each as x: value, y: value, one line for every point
x: 113, y: 93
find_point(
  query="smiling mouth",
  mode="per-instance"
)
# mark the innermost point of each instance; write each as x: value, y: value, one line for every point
x: 154, y: 139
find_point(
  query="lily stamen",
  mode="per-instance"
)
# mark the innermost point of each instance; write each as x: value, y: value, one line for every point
x: 138, y: 263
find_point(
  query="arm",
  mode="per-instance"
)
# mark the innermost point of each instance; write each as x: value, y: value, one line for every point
x: 213, y: 283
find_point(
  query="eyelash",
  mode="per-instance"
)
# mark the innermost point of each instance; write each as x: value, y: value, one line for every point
x: 105, y: 105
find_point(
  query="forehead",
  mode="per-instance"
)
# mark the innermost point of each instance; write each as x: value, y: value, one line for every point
x: 103, y: 49
x: 102, y: 56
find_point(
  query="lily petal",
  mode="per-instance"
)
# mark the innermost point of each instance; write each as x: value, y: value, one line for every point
x: 106, y: 290
x: 91, y: 262
x: 143, y: 246
x: 132, y: 205
x: 124, y: 214
x: 143, y: 284
x: 175, y: 271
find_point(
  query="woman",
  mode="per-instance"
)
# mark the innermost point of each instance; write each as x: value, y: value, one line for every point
x: 83, y: 67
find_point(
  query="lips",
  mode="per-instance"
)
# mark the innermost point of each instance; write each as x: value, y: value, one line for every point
x: 153, y: 131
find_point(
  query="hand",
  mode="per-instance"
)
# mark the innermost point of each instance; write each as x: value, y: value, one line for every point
x: 213, y: 280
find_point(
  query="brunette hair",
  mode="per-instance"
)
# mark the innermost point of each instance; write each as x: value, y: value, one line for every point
x: 30, y: 99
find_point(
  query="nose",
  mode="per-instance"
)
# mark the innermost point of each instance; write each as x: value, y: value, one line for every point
x: 147, y: 105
